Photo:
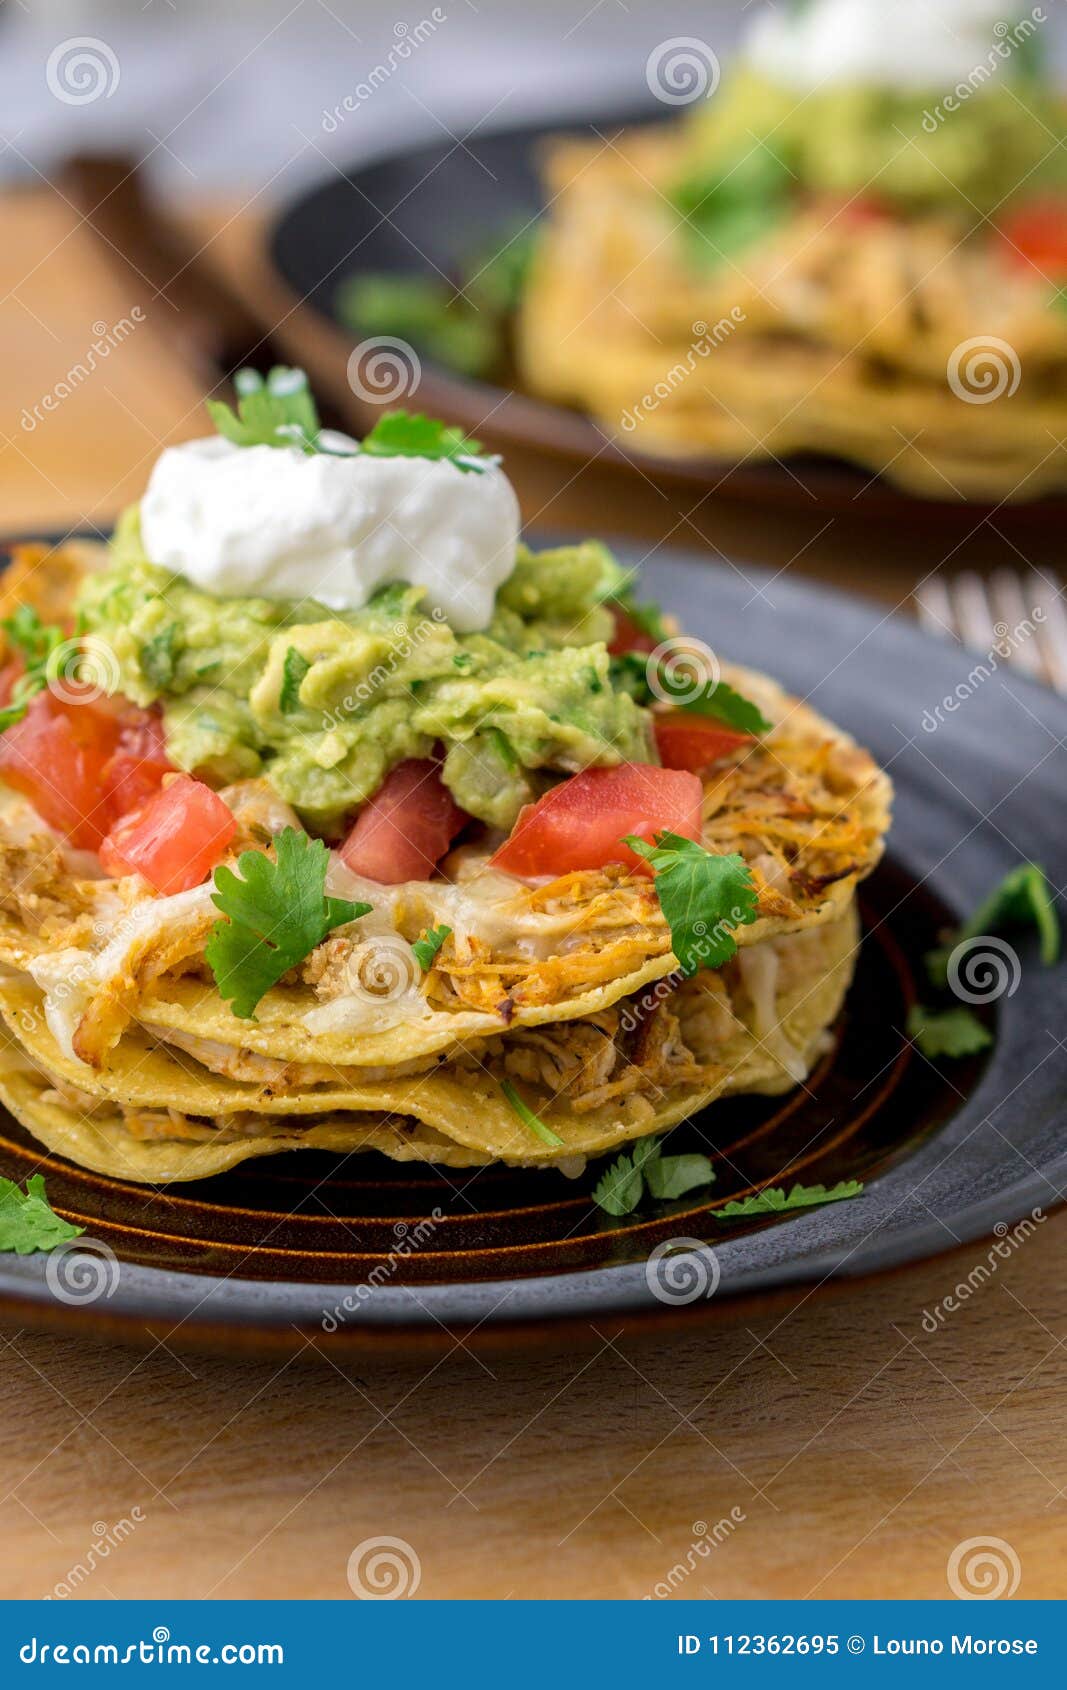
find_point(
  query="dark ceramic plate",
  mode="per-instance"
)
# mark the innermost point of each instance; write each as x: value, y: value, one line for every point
x: 422, y: 211
x: 258, y: 1258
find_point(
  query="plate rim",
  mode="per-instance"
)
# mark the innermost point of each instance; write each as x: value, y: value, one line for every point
x: 523, y: 420
x: 276, y: 1312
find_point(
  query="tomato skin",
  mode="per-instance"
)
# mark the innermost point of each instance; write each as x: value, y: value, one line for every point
x: 57, y: 755
x: 580, y: 824
x: 1035, y: 235
x: 405, y: 829
x: 686, y: 741
x: 628, y: 636
x: 174, y: 839
x: 136, y: 768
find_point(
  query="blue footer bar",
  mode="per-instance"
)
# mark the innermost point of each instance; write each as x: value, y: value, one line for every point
x: 511, y: 1645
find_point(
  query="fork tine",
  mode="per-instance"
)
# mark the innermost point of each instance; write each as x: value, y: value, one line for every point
x: 935, y: 612
x: 1015, y: 607
x: 1052, y: 632
x: 974, y: 613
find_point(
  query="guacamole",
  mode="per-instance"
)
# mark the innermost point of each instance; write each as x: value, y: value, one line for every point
x: 963, y: 155
x: 324, y: 703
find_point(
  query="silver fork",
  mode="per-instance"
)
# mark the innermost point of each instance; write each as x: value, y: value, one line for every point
x: 1021, y: 618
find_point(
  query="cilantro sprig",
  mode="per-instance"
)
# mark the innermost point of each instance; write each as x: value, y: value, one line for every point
x: 728, y: 207
x: 657, y: 682
x: 620, y: 1189
x: 774, y: 1200
x: 704, y: 898
x: 1022, y: 899
x: 278, y: 411
x: 27, y: 1220
x: 947, y: 1032
x: 622, y: 1186
x: 428, y: 946
x: 276, y: 913
x: 37, y: 642
x: 406, y: 434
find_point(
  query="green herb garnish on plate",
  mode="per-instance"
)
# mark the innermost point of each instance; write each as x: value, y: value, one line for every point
x: 28, y: 1222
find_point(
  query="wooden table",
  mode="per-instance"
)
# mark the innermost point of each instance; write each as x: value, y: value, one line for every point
x: 845, y: 1447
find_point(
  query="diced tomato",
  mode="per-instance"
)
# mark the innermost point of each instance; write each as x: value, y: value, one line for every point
x: 686, y: 741
x: 174, y: 839
x: 57, y: 755
x: 1036, y: 234
x: 136, y: 769
x: 405, y: 829
x: 628, y: 636
x: 581, y: 822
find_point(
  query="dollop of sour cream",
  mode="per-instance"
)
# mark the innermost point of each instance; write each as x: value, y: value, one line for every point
x: 275, y: 522
x: 912, y: 45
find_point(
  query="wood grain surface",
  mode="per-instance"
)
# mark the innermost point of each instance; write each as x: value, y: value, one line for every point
x: 829, y: 1444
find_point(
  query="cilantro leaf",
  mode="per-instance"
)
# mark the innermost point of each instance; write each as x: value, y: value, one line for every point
x: 294, y: 669
x: 1022, y: 899
x: 734, y: 204
x: 496, y: 273
x: 620, y: 1189
x: 650, y: 683
x: 27, y: 1220
x: 672, y: 1176
x: 277, y: 412
x: 704, y: 898
x: 646, y: 617
x: 403, y: 434
x: 716, y: 699
x: 947, y: 1032
x: 774, y: 1200
x: 278, y: 912
x: 528, y: 1118
x: 428, y: 313
x: 428, y: 946
x: 37, y: 642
